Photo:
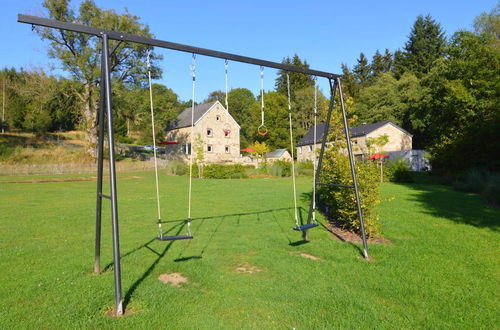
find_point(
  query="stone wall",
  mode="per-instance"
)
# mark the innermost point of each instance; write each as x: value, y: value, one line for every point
x: 218, y: 147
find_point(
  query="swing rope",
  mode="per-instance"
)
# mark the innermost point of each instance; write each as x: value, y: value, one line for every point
x: 193, y: 74
x: 314, y: 149
x: 160, y: 230
x: 291, y: 149
x: 226, y: 128
x: 262, y: 129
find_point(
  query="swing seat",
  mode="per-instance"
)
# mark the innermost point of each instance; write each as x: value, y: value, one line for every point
x: 305, y: 227
x: 174, y: 238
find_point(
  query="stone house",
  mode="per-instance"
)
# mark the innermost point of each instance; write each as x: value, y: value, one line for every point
x: 278, y: 154
x: 216, y: 133
x: 398, y: 139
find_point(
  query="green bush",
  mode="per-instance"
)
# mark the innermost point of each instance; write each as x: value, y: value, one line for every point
x: 279, y: 168
x: 177, y: 167
x: 218, y: 171
x: 398, y: 171
x: 480, y: 182
x: 304, y: 168
x: 340, y: 203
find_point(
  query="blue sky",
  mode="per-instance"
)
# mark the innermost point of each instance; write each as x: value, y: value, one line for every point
x: 325, y: 33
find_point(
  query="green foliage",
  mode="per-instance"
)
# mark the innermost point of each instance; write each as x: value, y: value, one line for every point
x: 279, y: 168
x: 176, y: 167
x: 304, y: 168
x: 397, y: 171
x: 340, y: 203
x: 79, y: 54
x: 298, y: 80
x: 482, y: 182
x: 388, y: 99
x: 219, y: 171
x: 362, y: 70
x: 425, y: 45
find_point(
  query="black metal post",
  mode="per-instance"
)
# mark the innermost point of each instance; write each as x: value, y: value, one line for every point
x: 353, y: 169
x: 333, y: 89
x: 112, y: 175
x: 100, y: 160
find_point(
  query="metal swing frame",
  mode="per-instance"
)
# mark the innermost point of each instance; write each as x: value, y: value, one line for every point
x: 106, y: 117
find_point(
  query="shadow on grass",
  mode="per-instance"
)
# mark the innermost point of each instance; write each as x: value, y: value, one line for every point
x: 181, y: 223
x: 150, y: 269
x: 459, y: 207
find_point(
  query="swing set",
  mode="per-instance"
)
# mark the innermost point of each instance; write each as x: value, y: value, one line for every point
x: 106, y: 112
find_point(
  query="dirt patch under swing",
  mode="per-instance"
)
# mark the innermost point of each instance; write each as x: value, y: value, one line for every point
x: 246, y: 268
x: 309, y: 256
x: 175, y: 279
x: 343, y: 235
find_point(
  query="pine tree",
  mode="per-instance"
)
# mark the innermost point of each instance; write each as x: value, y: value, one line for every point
x: 387, y: 62
x: 425, y: 44
x: 297, y: 80
x: 362, y: 69
x: 349, y: 83
x: 377, y: 66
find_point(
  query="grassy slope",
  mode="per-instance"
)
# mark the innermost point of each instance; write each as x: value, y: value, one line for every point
x: 442, y: 270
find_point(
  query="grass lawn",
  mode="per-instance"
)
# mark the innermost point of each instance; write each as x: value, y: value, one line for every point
x: 243, y: 268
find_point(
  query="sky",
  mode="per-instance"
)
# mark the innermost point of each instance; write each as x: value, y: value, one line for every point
x: 325, y: 33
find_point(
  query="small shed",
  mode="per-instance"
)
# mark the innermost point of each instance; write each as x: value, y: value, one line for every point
x: 278, y: 154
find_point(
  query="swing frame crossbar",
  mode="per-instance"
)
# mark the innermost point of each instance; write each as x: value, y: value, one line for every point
x: 105, y: 116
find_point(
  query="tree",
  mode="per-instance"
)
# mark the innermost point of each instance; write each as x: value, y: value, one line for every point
x: 389, y: 99
x: 349, y: 84
x: 298, y: 80
x: 276, y: 120
x: 241, y: 102
x: 79, y: 54
x: 377, y: 65
x: 387, y: 61
x: 459, y: 115
x: 362, y: 69
x: 216, y: 96
x: 426, y: 44
x: 489, y: 24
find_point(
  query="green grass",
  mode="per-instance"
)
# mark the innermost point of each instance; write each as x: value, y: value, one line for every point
x: 442, y: 270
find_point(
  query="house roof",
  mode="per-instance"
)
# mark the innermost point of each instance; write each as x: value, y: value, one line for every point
x: 309, y: 137
x: 276, y: 153
x: 356, y: 131
x: 184, y: 118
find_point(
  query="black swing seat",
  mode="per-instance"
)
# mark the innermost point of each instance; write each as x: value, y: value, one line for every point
x: 306, y: 226
x: 174, y: 238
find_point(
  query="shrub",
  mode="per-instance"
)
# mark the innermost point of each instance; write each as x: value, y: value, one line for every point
x: 279, y: 168
x: 480, y: 182
x: 340, y: 203
x: 218, y: 171
x: 176, y: 167
x: 304, y: 168
x: 398, y: 171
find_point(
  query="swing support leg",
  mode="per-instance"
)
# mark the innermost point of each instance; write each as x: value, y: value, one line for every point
x: 106, y: 104
x: 333, y: 89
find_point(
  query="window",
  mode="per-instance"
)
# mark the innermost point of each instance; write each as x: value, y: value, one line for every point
x: 187, y: 148
x: 227, y: 149
x: 227, y: 133
x: 209, y: 148
x: 299, y: 150
x: 209, y: 132
x: 354, y: 141
x: 217, y: 117
x: 309, y: 148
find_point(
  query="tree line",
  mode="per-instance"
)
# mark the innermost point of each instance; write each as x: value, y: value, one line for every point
x: 444, y: 91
